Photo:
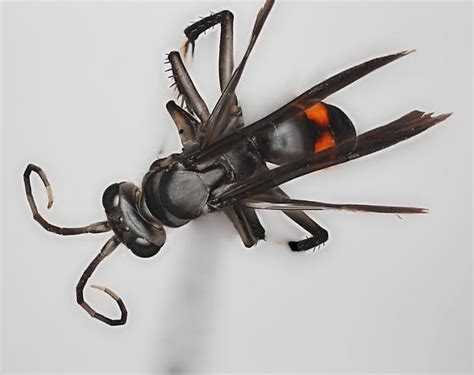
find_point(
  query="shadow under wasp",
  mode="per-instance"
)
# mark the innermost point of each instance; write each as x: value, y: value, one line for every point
x: 223, y: 164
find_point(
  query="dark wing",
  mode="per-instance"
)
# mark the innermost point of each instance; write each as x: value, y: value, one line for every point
x: 374, y: 140
x: 301, y: 103
x: 213, y: 143
x: 264, y: 202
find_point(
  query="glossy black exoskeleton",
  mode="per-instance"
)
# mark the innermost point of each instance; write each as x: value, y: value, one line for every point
x: 225, y: 165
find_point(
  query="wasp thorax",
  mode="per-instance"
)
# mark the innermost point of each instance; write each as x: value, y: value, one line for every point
x: 122, y: 203
x: 176, y: 196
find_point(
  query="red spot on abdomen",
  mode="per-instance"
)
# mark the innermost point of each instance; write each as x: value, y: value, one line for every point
x: 324, y: 141
x: 318, y: 114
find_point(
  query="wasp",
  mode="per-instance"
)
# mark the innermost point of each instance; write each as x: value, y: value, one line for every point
x: 226, y: 165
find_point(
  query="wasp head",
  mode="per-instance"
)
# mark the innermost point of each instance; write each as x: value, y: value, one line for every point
x: 130, y: 220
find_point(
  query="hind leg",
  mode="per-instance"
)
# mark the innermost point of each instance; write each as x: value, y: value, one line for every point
x: 319, y: 235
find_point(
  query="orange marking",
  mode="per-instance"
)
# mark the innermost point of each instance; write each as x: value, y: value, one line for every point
x: 324, y: 141
x: 318, y: 113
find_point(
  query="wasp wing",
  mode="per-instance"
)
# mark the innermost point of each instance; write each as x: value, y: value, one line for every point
x: 306, y: 100
x: 264, y: 202
x: 374, y: 140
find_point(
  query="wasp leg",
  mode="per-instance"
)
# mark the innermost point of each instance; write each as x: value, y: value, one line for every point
x: 218, y: 122
x: 226, y: 55
x: 186, y: 88
x: 319, y: 235
x: 99, y: 227
x: 226, y: 47
x: 246, y: 222
x: 187, y: 125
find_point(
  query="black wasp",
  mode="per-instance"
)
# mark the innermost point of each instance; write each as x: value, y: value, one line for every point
x: 223, y: 163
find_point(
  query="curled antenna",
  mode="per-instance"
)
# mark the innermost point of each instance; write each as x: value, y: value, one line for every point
x: 106, y: 250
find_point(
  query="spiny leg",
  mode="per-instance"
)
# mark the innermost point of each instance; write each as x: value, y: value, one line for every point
x: 218, y: 122
x: 99, y: 227
x: 185, y: 85
x: 106, y: 250
x: 226, y: 47
x: 319, y: 235
x: 226, y: 56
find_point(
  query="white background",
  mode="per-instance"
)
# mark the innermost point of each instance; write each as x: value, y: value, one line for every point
x: 84, y: 91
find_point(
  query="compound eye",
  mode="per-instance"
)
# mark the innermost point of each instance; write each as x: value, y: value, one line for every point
x: 111, y: 198
x: 142, y: 242
x: 143, y: 248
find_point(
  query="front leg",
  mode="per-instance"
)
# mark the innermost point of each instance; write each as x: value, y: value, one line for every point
x: 186, y: 87
x: 186, y: 124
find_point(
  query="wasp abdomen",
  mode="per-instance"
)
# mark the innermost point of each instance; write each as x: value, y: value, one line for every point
x: 315, y: 129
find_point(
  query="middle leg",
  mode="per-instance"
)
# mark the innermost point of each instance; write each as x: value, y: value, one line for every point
x: 246, y: 223
x: 194, y: 101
